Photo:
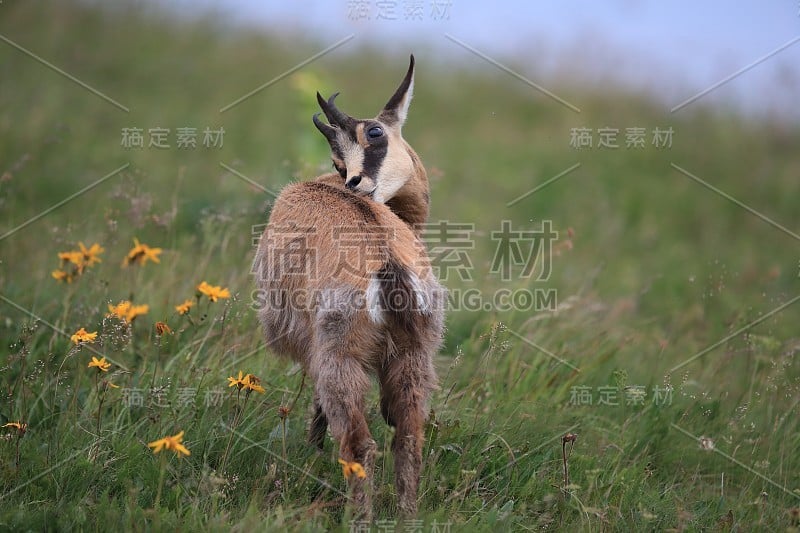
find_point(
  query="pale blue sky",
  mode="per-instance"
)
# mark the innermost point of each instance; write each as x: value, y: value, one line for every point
x: 674, y: 49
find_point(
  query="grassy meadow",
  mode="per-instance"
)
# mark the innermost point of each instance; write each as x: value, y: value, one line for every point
x: 671, y: 351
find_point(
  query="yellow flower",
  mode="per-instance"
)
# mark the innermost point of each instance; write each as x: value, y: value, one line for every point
x: 253, y: 383
x: 214, y: 292
x: 60, y: 275
x: 162, y: 327
x: 126, y: 311
x: 184, y: 307
x: 137, y: 310
x: 120, y: 310
x: 101, y: 364
x: 83, y: 336
x: 73, y: 256
x: 90, y: 254
x: 85, y: 257
x: 141, y: 253
x: 21, y: 427
x: 76, y: 258
x: 170, y: 443
x: 246, y: 381
x: 239, y: 382
x: 348, y: 469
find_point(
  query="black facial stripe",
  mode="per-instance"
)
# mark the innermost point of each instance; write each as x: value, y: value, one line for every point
x: 340, y: 169
x: 374, y: 155
x: 336, y: 145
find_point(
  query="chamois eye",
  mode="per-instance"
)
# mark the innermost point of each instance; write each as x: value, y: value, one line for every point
x: 374, y: 132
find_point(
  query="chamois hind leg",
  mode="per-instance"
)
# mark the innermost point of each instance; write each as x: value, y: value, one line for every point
x: 319, y: 425
x: 406, y: 383
x: 341, y: 382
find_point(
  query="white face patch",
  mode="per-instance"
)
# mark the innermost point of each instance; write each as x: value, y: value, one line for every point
x: 396, y: 170
x: 353, y: 154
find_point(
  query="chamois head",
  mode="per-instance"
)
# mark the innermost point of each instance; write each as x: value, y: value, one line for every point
x: 370, y: 154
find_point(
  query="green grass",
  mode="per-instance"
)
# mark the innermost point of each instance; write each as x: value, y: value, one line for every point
x: 660, y: 269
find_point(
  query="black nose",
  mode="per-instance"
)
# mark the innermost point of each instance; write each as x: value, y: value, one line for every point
x: 353, y: 183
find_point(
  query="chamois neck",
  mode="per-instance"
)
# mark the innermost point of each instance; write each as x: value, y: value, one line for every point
x: 412, y: 202
x: 411, y: 205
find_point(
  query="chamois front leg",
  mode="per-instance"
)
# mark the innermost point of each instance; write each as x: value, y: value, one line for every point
x: 406, y: 384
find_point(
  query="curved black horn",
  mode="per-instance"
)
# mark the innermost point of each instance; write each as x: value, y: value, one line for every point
x: 396, y: 106
x: 335, y: 116
x: 328, y: 131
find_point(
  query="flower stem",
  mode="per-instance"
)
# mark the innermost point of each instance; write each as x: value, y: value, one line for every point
x: 16, y: 462
x: 160, y: 482
x: 233, y: 427
x: 285, y: 461
x: 99, y: 410
x: 302, y: 384
x: 101, y: 397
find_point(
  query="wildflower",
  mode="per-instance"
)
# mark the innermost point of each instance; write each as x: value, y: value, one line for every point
x: 67, y: 273
x: 83, y: 336
x: 141, y: 253
x: 569, y: 437
x: 90, y: 254
x: 170, y: 443
x: 214, y: 292
x: 137, y: 310
x: 120, y: 310
x: 126, y: 311
x: 349, y: 469
x: 239, y: 382
x: 79, y: 259
x: 61, y: 275
x: 21, y: 427
x: 75, y: 257
x: 253, y: 383
x: 184, y: 307
x: 101, y: 364
x: 161, y: 328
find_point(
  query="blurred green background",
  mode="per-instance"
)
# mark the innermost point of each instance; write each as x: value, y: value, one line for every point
x: 659, y: 266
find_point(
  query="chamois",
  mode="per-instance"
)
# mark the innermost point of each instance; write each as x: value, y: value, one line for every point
x: 346, y: 289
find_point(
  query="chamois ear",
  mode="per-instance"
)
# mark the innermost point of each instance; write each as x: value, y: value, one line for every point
x: 395, y: 111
